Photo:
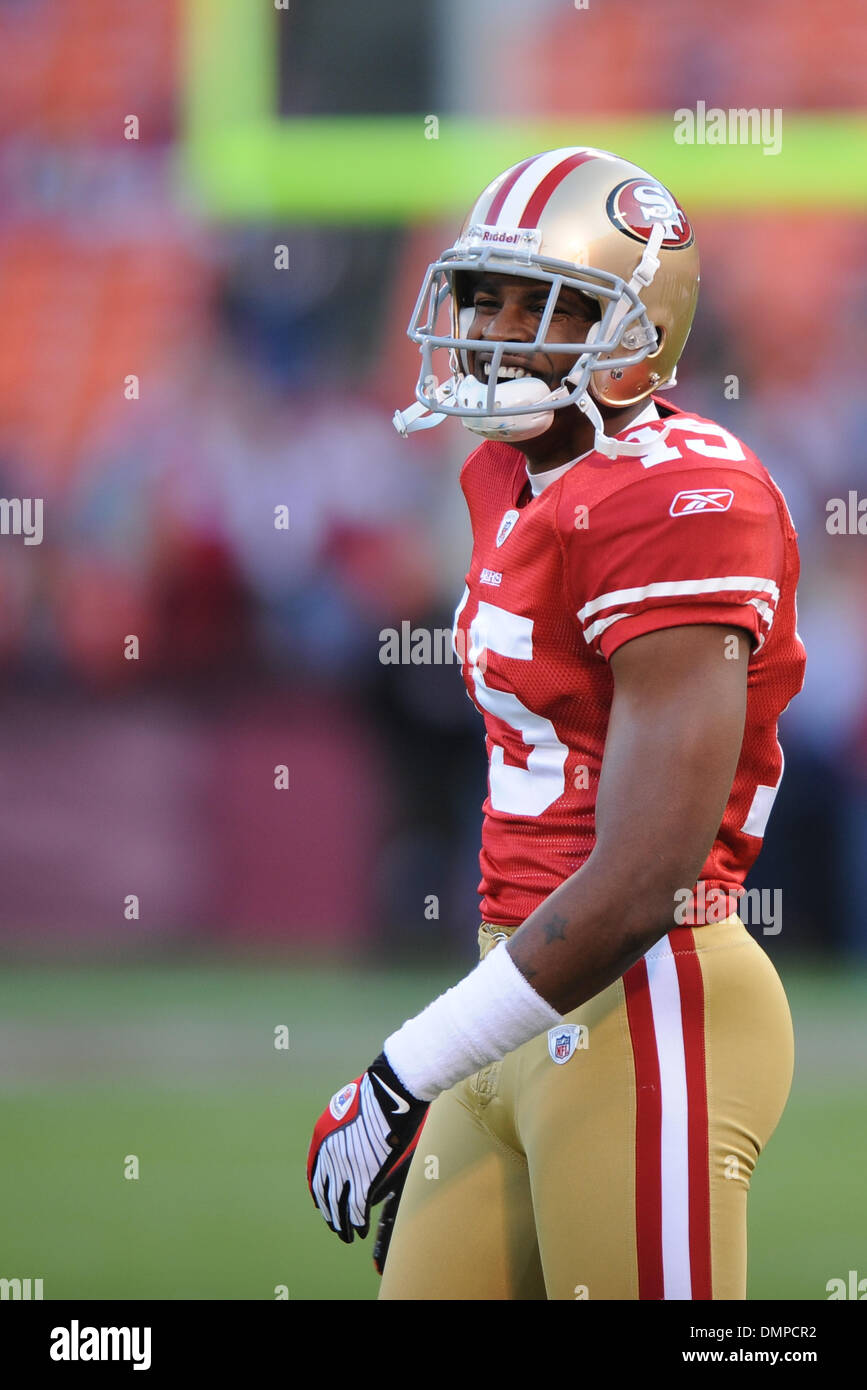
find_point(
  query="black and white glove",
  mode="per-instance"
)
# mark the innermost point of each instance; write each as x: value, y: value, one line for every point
x: 390, y: 1203
x: 358, y: 1142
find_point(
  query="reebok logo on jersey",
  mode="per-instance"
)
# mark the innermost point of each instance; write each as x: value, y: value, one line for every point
x: 507, y: 525
x: 701, y: 499
x: 491, y: 577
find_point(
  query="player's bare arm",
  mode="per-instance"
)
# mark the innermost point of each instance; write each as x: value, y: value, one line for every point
x: 666, y: 777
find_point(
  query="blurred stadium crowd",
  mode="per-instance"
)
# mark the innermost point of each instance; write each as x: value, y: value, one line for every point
x: 261, y: 388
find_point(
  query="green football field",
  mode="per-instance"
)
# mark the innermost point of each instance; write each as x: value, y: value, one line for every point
x: 175, y: 1068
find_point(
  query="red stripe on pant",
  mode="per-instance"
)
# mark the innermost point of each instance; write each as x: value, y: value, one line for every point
x: 648, y: 1133
x: 689, y: 978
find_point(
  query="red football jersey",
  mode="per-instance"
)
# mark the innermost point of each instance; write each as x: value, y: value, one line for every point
x: 693, y: 531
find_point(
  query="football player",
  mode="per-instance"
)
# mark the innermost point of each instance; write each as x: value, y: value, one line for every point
x: 596, y: 1092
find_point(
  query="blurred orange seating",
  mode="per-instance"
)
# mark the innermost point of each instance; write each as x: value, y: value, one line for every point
x: 78, y: 318
x: 631, y: 57
x: 74, y: 70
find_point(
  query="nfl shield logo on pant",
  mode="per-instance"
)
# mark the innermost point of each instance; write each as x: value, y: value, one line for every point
x: 562, y: 1041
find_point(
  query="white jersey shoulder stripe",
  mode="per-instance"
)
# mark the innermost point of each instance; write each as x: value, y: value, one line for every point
x: 765, y: 612
x: 595, y: 629
x: 734, y: 583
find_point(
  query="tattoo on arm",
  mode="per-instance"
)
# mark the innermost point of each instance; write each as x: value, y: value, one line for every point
x: 555, y: 929
x: 523, y: 948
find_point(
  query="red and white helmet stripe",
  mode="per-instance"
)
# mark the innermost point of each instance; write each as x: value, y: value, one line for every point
x: 526, y: 189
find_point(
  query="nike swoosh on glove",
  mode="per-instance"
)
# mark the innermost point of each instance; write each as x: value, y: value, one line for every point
x: 358, y: 1140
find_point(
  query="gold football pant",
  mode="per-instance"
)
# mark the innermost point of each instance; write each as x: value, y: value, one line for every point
x: 611, y: 1158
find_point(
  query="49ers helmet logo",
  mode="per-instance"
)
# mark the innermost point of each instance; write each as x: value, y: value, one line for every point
x: 638, y: 204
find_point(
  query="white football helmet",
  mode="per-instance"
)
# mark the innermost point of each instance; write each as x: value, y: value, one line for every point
x: 588, y: 220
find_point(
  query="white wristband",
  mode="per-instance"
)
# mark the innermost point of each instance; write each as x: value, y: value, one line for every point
x: 491, y: 1012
